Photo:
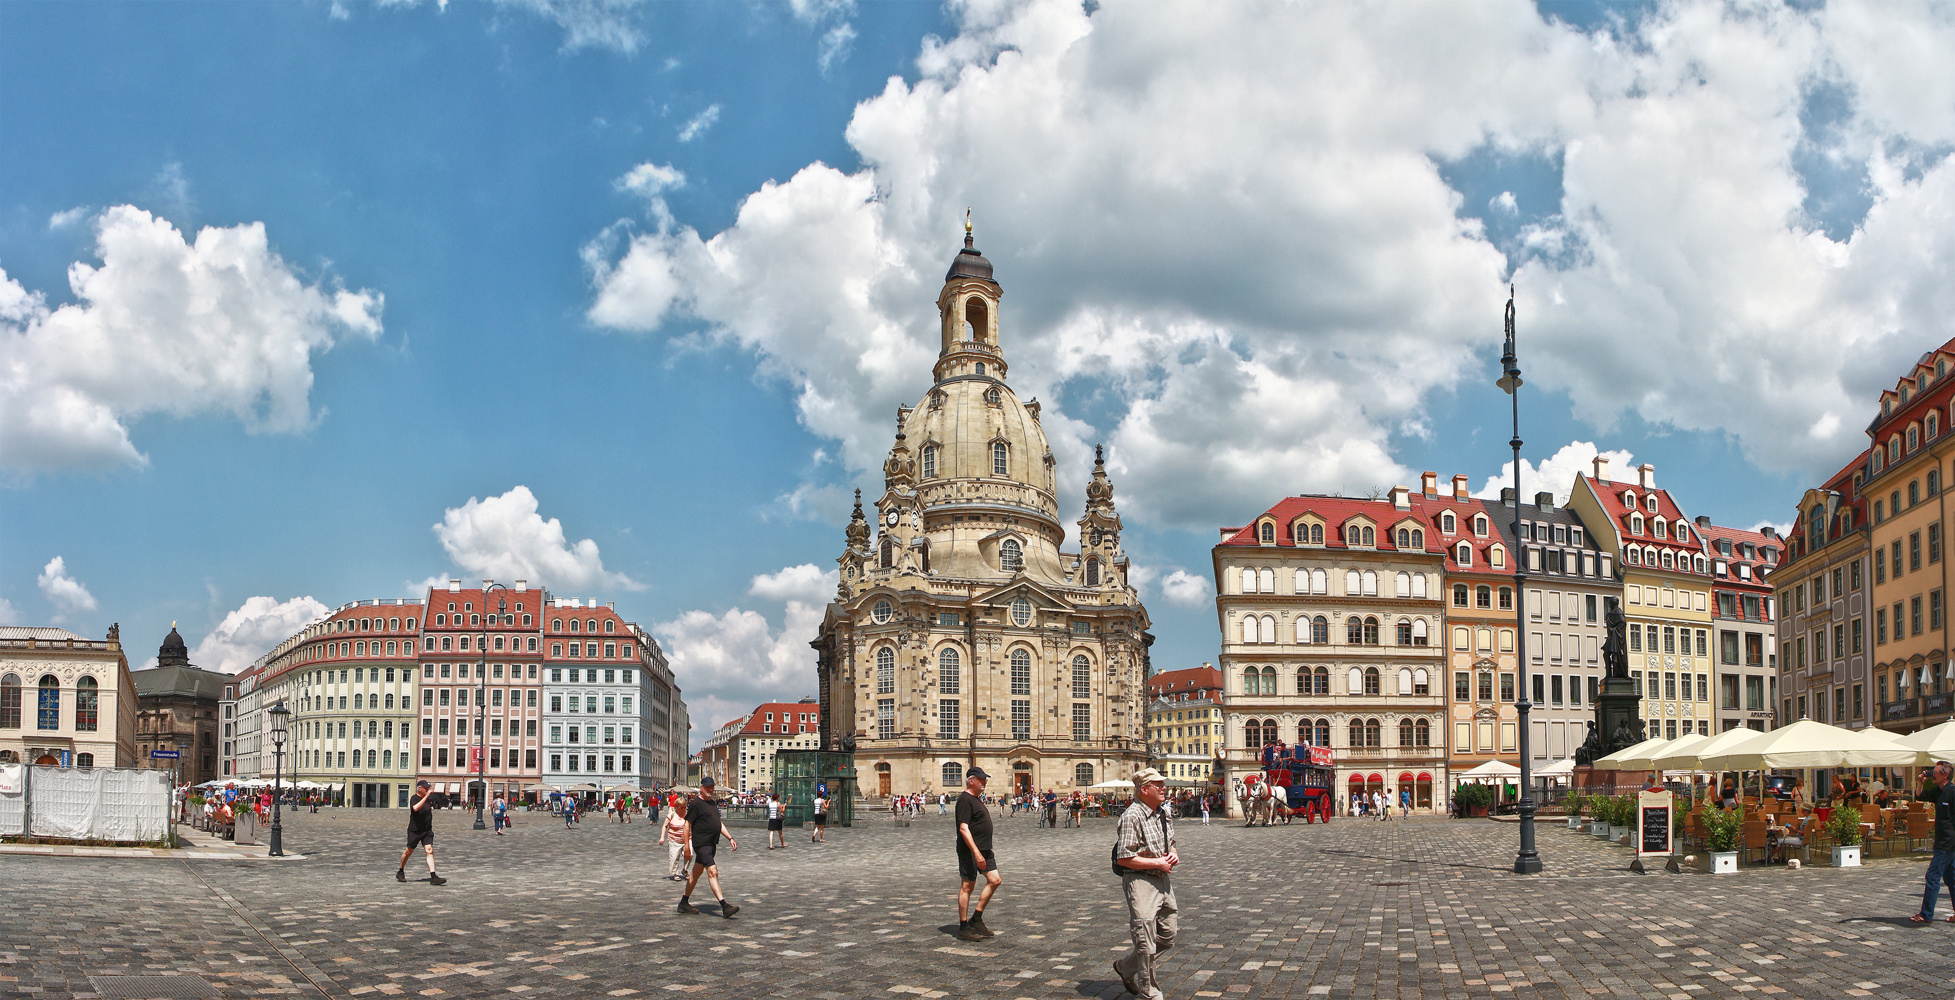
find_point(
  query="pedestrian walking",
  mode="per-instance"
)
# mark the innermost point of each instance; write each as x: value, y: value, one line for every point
x: 500, y: 813
x: 420, y: 833
x: 672, y: 833
x: 974, y: 857
x: 1204, y: 810
x: 776, y: 813
x: 1144, y: 855
x: 704, y: 828
x: 820, y: 836
x: 1941, y: 865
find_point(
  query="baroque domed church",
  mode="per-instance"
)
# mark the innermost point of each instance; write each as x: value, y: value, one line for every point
x: 962, y: 634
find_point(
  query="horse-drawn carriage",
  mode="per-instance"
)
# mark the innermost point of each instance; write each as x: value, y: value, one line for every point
x: 1295, y: 783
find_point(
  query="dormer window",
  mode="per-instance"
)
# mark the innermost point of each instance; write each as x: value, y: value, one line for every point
x: 1447, y: 525
x: 1659, y: 528
x: 1266, y: 533
x: 1650, y: 504
x: 1893, y: 449
x: 1480, y: 525
x: 1464, y: 554
x: 1635, y: 524
x: 1913, y: 438
x: 1629, y: 499
x: 1370, y: 537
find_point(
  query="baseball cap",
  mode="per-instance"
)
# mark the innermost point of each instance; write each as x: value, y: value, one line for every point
x: 423, y: 783
x: 706, y: 782
x: 977, y: 772
x: 1148, y: 776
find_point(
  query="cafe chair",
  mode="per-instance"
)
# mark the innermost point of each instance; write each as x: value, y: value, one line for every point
x: 1797, y: 838
x: 1754, y: 840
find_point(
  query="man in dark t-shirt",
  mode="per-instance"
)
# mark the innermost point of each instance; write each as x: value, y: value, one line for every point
x: 974, y: 857
x: 704, y: 828
x: 420, y: 832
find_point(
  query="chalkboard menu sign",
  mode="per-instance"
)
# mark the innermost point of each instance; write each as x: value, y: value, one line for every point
x: 1653, y: 833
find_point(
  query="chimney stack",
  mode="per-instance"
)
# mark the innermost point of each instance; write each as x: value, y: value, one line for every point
x: 1460, y: 491
x: 1602, y: 467
x: 1703, y: 520
x: 1768, y: 531
x: 522, y: 585
x: 454, y: 586
x: 1646, y: 476
x: 1402, y: 497
x: 1545, y: 501
x: 1429, y: 483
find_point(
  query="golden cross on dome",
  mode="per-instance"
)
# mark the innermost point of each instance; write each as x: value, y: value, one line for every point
x: 967, y: 222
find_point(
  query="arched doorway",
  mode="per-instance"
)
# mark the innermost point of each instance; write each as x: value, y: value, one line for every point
x: 1021, y: 777
x: 1402, y: 795
x: 46, y: 760
x: 882, y: 779
x: 1422, y: 790
x: 1353, y: 794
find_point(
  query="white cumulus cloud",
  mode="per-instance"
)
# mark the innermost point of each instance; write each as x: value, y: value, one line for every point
x: 504, y: 538
x: 1225, y: 233
x: 67, y: 594
x: 252, y: 629
x: 163, y: 325
x: 1186, y: 589
x: 728, y: 663
x: 10, y: 615
x: 1557, y: 473
x: 807, y: 583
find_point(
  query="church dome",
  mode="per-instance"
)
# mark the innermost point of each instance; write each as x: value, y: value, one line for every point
x: 173, y: 652
x: 969, y: 264
x: 976, y: 441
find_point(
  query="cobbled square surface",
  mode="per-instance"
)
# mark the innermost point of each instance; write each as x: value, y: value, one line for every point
x: 1417, y: 908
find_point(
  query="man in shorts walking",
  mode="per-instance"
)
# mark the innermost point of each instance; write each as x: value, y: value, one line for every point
x: 1143, y: 852
x: 820, y: 836
x: 420, y: 833
x: 974, y: 857
x: 704, y: 828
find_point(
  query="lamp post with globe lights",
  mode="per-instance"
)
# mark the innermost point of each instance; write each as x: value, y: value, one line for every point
x: 281, y: 717
x: 481, y: 748
x: 1528, y: 861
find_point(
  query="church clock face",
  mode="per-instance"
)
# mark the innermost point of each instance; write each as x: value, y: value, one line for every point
x: 892, y: 518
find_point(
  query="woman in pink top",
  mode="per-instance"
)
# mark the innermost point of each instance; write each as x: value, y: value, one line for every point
x: 673, y: 834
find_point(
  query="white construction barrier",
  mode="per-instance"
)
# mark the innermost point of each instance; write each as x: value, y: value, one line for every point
x: 98, y: 803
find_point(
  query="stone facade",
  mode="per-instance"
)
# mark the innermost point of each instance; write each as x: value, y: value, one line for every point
x: 65, y: 699
x: 961, y: 633
x: 177, y: 708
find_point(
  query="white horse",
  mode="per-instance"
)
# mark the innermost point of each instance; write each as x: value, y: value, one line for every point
x: 1258, y: 801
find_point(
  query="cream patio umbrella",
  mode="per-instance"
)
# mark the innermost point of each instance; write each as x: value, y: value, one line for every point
x: 1685, y: 758
x: 1610, y: 762
x: 1559, y: 769
x: 1808, y: 744
x: 1645, y: 759
x: 1112, y: 783
x: 1493, y: 770
x: 1931, y: 744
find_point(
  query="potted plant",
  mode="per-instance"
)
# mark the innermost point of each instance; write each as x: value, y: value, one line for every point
x: 1573, y: 802
x: 1844, y: 827
x: 1722, y: 828
x: 1475, y: 798
x: 1600, y: 808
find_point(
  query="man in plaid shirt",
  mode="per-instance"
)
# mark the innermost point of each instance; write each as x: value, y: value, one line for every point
x: 1144, y: 853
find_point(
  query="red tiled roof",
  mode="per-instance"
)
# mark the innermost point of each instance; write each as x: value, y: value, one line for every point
x: 1189, y: 679
x: 1609, y: 493
x: 785, y: 713
x: 1336, y: 511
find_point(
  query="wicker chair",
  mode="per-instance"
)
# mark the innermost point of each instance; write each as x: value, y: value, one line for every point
x: 1882, y: 834
x: 1754, y: 840
x: 1799, y: 838
x: 1920, y: 826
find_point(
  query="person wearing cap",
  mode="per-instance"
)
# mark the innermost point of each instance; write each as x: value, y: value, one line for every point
x: 1143, y: 850
x: 1941, y: 864
x: 420, y: 833
x: 704, y: 828
x: 974, y: 857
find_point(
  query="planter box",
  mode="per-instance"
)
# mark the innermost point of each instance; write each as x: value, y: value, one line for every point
x: 1599, y: 830
x: 1574, y: 822
x: 1724, y: 862
x: 1616, y: 833
x: 1846, y: 857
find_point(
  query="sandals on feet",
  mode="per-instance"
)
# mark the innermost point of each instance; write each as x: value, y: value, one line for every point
x: 1917, y: 919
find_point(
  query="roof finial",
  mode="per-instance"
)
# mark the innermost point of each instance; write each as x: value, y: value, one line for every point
x: 967, y: 228
x: 1099, y: 455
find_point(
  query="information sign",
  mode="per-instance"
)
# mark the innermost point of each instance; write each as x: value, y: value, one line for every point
x: 164, y: 754
x: 1654, y: 829
x: 475, y: 758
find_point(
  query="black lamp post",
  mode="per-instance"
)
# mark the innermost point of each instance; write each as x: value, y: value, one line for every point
x: 482, y: 702
x: 281, y: 717
x: 1529, y: 860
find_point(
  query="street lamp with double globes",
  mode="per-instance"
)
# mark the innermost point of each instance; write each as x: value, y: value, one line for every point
x: 1528, y: 861
x: 482, y: 700
x: 281, y: 718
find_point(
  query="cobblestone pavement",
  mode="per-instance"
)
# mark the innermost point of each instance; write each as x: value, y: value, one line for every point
x: 1419, y: 908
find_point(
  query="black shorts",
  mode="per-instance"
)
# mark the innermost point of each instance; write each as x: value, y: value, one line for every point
x: 821, y: 819
x: 416, y: 838
x: 773, y: 825
x: 967, y: 865
x: 702, y: 854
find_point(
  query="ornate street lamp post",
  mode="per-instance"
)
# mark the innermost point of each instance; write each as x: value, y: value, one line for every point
x: 482, y: 701
x: 280, y: 719
x: 1529, y: 860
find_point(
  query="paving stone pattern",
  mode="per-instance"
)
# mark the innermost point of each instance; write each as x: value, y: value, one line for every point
x: 1415, y: 908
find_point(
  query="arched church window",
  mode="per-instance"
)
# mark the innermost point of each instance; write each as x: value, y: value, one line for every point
x: 929, y: 461
x: 949, y: 671
x: 1011, y: 558
x: 885, y: 671
x: 1000, y: 458
x: 1092, y: 572
x: 887, y: 557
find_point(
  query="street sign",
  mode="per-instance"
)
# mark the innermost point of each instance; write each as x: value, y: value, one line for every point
x: 164, y: 754
x: 67, y: 758
x: 475, y: 757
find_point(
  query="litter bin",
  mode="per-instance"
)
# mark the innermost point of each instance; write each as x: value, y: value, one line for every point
x: 246, y: 829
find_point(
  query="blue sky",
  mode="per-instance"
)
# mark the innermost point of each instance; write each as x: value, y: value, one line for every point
x: 307, y: 303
